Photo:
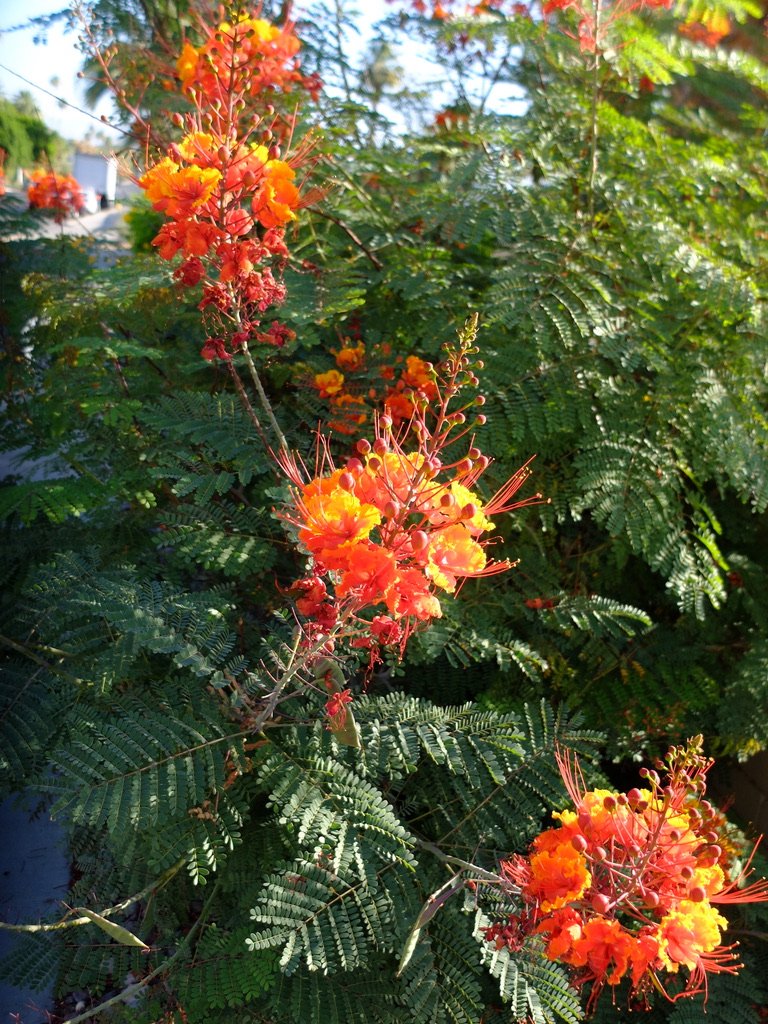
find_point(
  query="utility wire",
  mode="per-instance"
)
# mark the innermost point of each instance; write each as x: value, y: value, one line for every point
x: 59, y: 99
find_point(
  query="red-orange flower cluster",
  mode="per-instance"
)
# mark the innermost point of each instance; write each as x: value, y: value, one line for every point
x: 266, y: 52
x: 709, y: 29
x: 58, y: 192
x: 366, y: 378
x: 399, y: 524
x: 595, y: 23
x: 627, y: 886
x: 442, y: 10
x: 226, y: 191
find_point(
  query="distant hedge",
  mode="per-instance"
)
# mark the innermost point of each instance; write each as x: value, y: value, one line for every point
x: 26, y: 139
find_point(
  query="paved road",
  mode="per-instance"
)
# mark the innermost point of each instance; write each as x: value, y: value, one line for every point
x: 104, y: 224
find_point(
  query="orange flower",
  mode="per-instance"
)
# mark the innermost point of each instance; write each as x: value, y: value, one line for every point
x: 58, y: 192
x: 335, y: 519
x: 452, y: 553
x: 187, y: 64
x: 192, y: 237
x: 329, y: 384
x: 199, y: 148
x: 274, y: 204
x: 349, y: 412
x: 608, y: 951
x: 179, y: 191
x: 350, y: 358
x: 559, y: 872
x: 371, y: 572
x: 629, y: 881
x: 709, y: 30
x: 398, y: 406
x: 411, y: 596
x: 689, y: 932
x: 393, y: 476
x: 420, y: 376
x: 564, y: 927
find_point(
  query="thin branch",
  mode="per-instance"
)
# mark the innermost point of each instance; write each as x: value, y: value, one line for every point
x: 351, y: 234
x: 246, y: 402
x: 77, y: 921
x: 265, y: 403
x: 133, y: 990
x: 21, y: 649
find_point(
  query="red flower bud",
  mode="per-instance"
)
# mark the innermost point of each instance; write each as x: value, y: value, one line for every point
x: 419, y: 540
x: 600, y: 903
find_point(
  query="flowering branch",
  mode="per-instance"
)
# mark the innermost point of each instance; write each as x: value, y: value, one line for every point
x: 401, y: 522
x: 627, y: 885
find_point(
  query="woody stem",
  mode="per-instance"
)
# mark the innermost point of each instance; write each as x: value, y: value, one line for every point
x: 241, y: 392
x: 265, y: 403
x: 593, y: 124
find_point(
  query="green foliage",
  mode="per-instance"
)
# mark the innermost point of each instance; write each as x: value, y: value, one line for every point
x: 612, y: 237
x: 143, y: 224
x: 26, y: 139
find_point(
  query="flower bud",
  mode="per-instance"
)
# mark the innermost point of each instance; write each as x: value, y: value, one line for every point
x: 391, y: 509
x: 480, y: 400
x: 469, y: 511
x: 599, y: 854
x: 347, y: 482
x: 354, y: 465
x: 474, y: 453
x: 419, y: 540
x: 600, y: 903
x: 363, y: 446
x: 634, y: 796
x: 651, y: 899
x: 447, y: 501
x: 481, y: 419
x: 609, y: 802
x: 697, y: 894
x: 385, y: 422
x: 579, y: 843
x: 380, y: 446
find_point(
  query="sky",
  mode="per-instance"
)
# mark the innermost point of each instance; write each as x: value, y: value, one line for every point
x: 53, y: 65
